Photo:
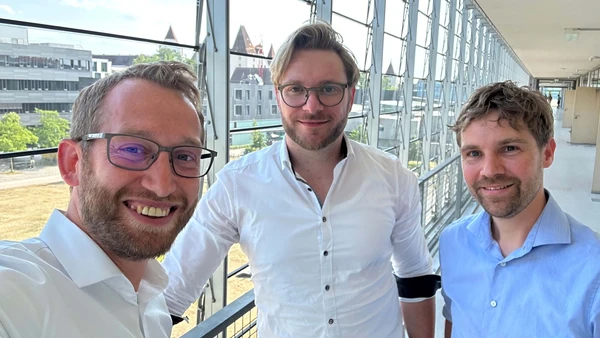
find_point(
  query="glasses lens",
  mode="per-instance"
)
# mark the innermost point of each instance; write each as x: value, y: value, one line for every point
x: 331, y: 94
x: 191, y: 161
x: 131, y: 152
x: 294, y: 96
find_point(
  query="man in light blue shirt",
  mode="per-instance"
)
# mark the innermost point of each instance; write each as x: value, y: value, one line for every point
x: 522, y: 267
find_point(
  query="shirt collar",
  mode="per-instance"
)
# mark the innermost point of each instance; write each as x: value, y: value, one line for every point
x: 284, y: 155
x: 77, y: 252
x: 552, y: 227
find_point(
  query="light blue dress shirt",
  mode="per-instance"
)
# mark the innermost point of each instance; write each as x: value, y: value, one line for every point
x: 547, y: 288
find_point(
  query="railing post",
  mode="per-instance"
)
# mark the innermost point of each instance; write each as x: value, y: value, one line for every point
x: 459, y: 189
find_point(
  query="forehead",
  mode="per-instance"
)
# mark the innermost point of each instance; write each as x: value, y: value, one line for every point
x: 314, y: 66
x: 489, y: 129
x: 159, y: 113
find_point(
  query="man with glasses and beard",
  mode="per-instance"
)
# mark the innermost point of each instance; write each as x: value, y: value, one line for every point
x: 132, y: 162
x: 322, y: 219
x: 521, y: 267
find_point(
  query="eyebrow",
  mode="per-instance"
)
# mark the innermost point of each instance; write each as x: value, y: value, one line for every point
x: 501, y: 143
x: 320, y: 83
x: 186, y: 140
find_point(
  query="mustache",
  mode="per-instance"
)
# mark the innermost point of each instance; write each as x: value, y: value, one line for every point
x: 125, y: 193
x: 496, y: 180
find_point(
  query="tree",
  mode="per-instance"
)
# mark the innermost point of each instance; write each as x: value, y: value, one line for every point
x: 258, y: 140
x: 166, y: 54
x: 359, y: 134
x: 52, y: 130
x: 14, y: 136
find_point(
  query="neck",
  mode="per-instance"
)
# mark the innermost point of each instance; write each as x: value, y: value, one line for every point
x: 314, y: 161
x: 133, y: 270
x: 511, y: 233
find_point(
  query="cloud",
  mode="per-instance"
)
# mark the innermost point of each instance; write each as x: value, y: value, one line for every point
x: 7, y: 9
x: 85, y: 4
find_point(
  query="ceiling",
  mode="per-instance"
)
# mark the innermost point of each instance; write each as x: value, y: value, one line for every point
x: 535, y: 30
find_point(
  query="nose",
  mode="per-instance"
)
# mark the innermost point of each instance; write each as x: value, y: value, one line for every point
x: 313, y: 105
x: 492, y: 166
x: 160, y: 177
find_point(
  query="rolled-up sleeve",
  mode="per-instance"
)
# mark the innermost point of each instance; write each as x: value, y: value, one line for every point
x: 410, y: 256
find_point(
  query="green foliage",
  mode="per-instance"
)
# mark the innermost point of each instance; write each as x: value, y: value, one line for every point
x: 259, y: 140
x: 14, y: 136
x: 166, y: 54
x: 52, y: 130
x: 359, y: 134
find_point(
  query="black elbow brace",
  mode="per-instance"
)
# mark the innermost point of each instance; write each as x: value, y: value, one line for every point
x: 176, y: 320
x: 418, y: 287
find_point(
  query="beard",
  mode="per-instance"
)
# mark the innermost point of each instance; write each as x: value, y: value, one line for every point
x: 305, y: 141
x: 512, y: 205
x: 105, y: 222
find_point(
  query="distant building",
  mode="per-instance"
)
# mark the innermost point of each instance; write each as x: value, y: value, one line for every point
x: 40, y: 75
x: 101, y: 68
x: 170, y: 37
x: 117, y: 62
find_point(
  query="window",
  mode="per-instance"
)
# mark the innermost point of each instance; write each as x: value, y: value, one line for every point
x: 238, y: 94
x: 238, y: 110
x: 247, y: 110
x: 273, y: 109
x: 95, y: 66
x: 247, y: 94
x: 259, y: 109
x: 270, y: 95
x: 104, y: 66
x: 259, y: 94
x: 97, y: 75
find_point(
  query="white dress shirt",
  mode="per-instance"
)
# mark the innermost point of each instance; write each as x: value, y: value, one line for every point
x: 63, y: 285
x: 318, y: 271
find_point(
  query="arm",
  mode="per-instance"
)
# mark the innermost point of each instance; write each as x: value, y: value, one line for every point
x: 448, y: 329
x: 410, y: 256
x: 200, y: 247
x: 419, y: 318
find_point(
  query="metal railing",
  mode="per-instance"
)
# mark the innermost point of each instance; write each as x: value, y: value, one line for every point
x: 444, y: 199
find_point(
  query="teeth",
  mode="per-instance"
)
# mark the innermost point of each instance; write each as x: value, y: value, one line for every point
x: 151, y: 211
x: 497, y: 188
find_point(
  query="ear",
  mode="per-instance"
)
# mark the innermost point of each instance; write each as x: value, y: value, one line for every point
x: 548, y: 152
x: 69, y: 155
x: 351, y: 93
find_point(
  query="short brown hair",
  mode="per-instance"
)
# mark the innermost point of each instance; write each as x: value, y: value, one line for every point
x: 517, y: 105
x: 314, y: 36
x: 87, y: 109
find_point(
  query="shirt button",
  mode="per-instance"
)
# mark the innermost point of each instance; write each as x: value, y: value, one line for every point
x: 324, y: 219
x: 325, y: 253
x: 309, y: 189
x: 330, y: 321
x: 493, y: 303
x: 326, y: 287
x: 503, y: 264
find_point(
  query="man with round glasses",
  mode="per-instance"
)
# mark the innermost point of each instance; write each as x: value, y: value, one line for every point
x: 318, y: 215
x: 132, y: 163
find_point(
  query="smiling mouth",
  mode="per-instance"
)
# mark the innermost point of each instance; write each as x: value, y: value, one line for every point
x: 150, y: 211
x: 496, y: 188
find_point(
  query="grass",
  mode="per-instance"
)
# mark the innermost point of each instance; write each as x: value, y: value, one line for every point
x: 26, y: 210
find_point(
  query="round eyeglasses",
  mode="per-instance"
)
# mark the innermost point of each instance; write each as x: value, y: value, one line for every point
x: 329, y: 94
x: 138, y: 154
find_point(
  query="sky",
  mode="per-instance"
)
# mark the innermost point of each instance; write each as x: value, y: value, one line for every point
x: 266, y: 21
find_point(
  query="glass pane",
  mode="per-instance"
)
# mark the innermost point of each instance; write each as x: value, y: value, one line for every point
x: 251, y: 28
x: 173, y: 20
x: 355, y: 37
x: 245, y: 142
x: 389, y: 131
x: 394, y: 52
x: 442, y: 40
x: 423, y: 30
x: 415, y: 156
x: 356, y: 9
x: 444, y: 14
x: 426, y: 6
x: 396, y: 17
x: 356, y: 130
x: 421, y: 62
x: 440, y: 67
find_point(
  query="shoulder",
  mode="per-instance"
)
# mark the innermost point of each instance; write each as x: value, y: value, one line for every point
x: 457, y: 228
x: 252, y: 161
x: 19, y: 263
x: 586, y: 239
x: 381, y: 161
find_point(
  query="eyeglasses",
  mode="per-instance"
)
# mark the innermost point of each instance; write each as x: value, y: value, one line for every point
x: 329, y: 94
x: 138, y: 154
